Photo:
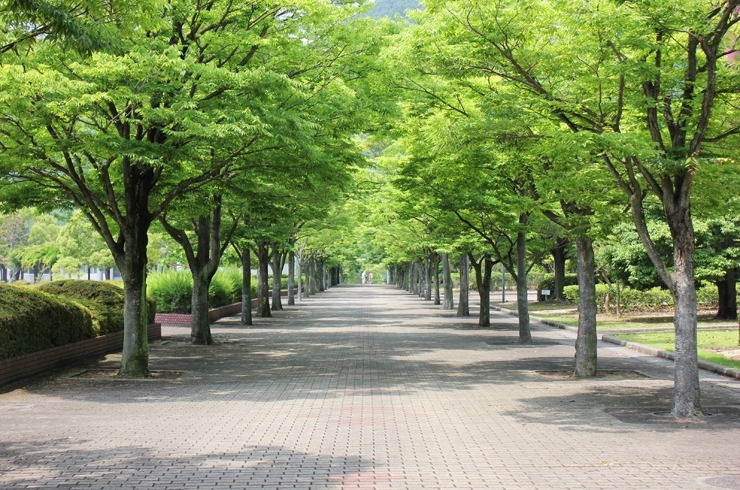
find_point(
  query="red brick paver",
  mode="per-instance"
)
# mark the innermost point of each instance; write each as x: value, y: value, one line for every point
x: 369, y: 387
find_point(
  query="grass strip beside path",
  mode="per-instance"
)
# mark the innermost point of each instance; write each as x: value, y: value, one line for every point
x: 567, y: 314
x: 717, y: 346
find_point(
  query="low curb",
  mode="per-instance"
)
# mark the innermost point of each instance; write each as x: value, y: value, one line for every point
x: 21, y: 367
x: 537, y: 319
x: 645, y: 349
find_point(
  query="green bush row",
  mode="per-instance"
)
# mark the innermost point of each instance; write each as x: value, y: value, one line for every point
x: 104, y: 300
x: 58, y: 313
x: 548, y: 282
x: 33, y: 320
x: 636, y: 300
x: 173, y: 290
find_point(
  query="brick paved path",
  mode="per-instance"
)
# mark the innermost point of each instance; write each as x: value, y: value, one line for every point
x: 369, y: 387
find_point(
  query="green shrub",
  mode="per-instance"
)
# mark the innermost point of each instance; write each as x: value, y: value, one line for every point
x: 629, y: 299
x: 173, y: 290
x: 571, y: 293
x: 31, y: 320
x: 104, y: 300
x: 548, y: 282
x: 650, y: 299
x: 226, y: 288
x: 283, y: 282
x: 707, y: 295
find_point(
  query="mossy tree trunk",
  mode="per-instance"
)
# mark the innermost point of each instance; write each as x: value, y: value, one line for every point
x: 129, y: 253
x: 135, y: 354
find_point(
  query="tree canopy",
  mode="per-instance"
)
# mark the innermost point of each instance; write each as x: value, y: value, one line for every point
x: 504, y: 132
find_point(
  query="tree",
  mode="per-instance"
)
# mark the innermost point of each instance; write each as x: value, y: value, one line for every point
x: 123, y: 136
x: 641, y: 94
x: 81, y: 26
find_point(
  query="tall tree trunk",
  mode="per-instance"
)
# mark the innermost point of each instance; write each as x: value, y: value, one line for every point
x: 485, y: 294
x: 305, y: 268
x: 203, y: 264
x: 420, y: 278
x: 727, y: 291
x: 259, y: 287
x: 483, y: 269
x: 463, y: 306
x: 291, y: 278
x: 435, y: 271
x: 586, y: 352
x: 316, y: 277
x: 200, y: 327
x: 449, y: 302
x: 522, y: 303
x: 559, y: 257
x: 246, y: 260
x: 428, y: 278
x: 263, y: 306
x: 277, y: 304
x: 687, y: 397
x: 135, y: 355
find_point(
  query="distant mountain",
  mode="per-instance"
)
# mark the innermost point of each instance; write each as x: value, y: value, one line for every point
x: 389, y: 8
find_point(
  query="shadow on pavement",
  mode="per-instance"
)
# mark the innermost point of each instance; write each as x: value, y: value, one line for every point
x: 137, y: 467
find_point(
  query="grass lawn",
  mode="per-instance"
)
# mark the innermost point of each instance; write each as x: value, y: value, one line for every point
x: 718, y: 346
x: 568, y: 314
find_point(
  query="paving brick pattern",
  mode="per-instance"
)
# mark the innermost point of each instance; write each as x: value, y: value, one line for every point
x: 369, y: 387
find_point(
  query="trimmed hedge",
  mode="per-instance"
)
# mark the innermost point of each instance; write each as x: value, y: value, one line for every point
x: 636, y: 300
x: 548, y: 282
x: 104, y: 300
x: 32, y: 320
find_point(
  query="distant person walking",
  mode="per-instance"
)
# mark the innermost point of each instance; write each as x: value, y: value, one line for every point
x: 370, y: 277
x: 364, y: 277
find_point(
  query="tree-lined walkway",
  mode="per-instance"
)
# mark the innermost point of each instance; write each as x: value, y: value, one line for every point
x: 369, y: 387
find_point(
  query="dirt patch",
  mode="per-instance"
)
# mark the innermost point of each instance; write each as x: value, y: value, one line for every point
x: 113, y: 374
x: 602, y: 374
x: 711, y: 416
x: 732, y: 353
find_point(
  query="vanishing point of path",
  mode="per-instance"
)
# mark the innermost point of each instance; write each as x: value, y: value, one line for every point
x: 369, y: 387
